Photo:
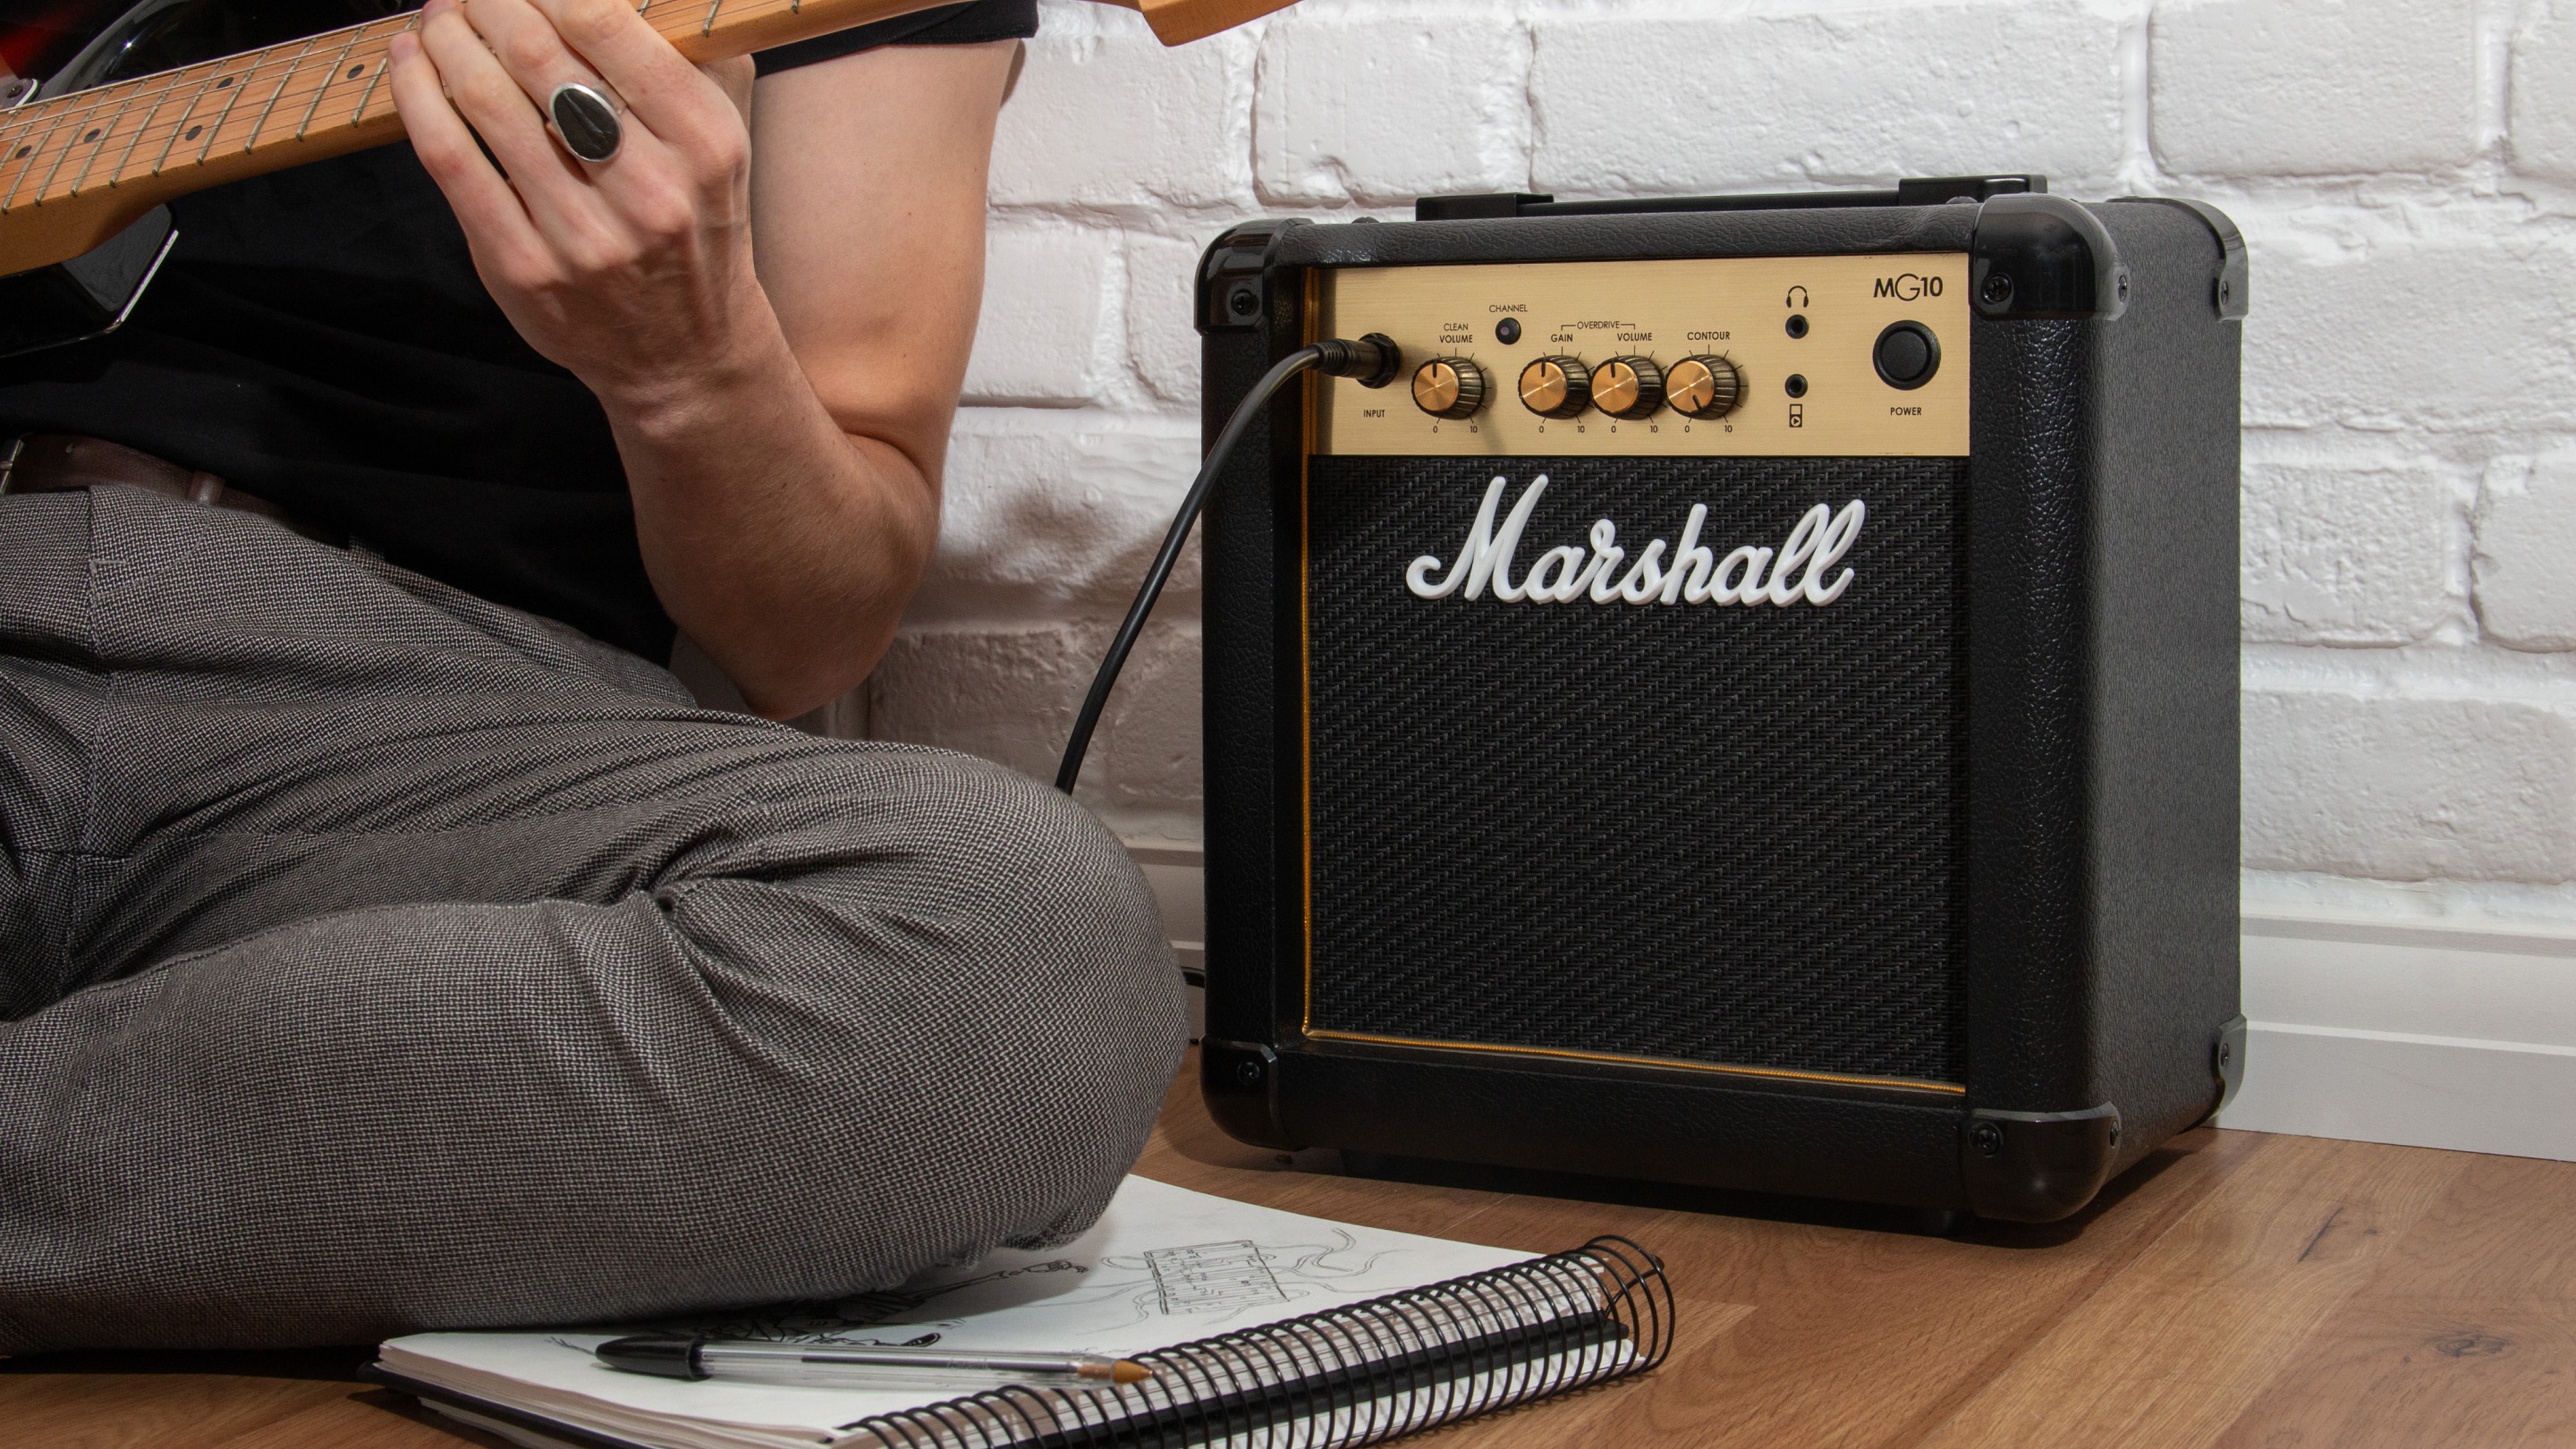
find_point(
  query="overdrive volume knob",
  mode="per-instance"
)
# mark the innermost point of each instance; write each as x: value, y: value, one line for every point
x: 1556, y: 387
x: 1628, y: 387
x: 1704, y: 387
x: 1449, y: 387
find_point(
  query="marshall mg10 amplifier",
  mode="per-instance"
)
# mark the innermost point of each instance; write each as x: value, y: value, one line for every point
x: 1750, y: 701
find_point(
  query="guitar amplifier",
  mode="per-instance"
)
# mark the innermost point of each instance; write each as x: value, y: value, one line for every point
x: 1751, y: 701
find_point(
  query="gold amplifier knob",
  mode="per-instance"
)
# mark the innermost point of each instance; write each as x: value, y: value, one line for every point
x: 1704, y: 387
x: 1556, y: 387
x: 1628, y: 387
x: 1449, y: 387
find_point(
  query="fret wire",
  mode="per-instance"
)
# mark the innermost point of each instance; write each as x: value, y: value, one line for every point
x: 17, y: 126
x: 204, y: 76
x: 251, y: 142
x: 328, y: 81
x: 383, y: 68
x: 46, y: 187
x: 205, y: 88
x: 35, y: 155
x: 74, y: 116
x: 215, y: 132
x: 44, y: 131
x: 162, y: 98
x: 122, y: 106
x: 368, y: 95
x: 45, y: 114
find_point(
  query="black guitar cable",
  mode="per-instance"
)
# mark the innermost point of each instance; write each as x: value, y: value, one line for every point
x: 1373, y: 360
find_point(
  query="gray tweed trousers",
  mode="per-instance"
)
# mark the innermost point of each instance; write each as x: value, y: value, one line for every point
x: 375, y: 958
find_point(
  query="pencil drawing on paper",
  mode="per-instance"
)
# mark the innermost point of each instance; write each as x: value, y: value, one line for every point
x: 1202, y: 1282
x: 1213, y: 1277
x: 1207, y: 1282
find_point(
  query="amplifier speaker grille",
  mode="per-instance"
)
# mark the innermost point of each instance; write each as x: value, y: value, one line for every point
x: 1492, y: 786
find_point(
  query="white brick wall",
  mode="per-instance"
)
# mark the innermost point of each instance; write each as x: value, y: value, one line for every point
x: 2405, y: 171
x: 2260, y: 88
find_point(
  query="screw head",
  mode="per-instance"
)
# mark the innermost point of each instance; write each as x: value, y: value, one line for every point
x: 1997, y: 289
x: 1244, y: 302
x: 2115, y: 1134
x: 1987, y: 1138
x: 1247, y: 1072
x: 2226, y: 1054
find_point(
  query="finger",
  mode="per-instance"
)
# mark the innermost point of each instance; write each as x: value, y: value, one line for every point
x: 678, y: 102
x: 485, y: 204
x: 548, y: 180
x: 524, y: 41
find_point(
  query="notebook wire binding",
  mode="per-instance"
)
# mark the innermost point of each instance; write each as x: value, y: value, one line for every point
x: 1348, y: 1376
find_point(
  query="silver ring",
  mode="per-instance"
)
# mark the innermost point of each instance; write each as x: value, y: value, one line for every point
x: 586, y: 121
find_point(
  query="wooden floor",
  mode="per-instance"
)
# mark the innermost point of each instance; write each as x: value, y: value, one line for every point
x: 2236, y: 1290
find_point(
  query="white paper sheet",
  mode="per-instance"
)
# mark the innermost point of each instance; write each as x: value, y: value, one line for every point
x: 1162, y: 1267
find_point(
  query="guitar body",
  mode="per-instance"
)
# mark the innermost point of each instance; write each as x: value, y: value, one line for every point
x: 141, y: 101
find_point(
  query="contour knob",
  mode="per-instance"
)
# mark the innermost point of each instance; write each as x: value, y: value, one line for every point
x: 1449, y: 387
x: 1628, y: 387
x: 1704, y: 387
x: 1556, y: 387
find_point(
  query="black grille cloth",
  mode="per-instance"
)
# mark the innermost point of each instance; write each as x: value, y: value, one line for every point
x: 1710, y: 833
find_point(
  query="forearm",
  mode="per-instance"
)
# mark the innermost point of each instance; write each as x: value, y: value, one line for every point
x: 783, y: 424
x: 783, y: 545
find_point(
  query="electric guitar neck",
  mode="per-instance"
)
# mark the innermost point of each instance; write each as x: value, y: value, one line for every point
x: 77, y: 170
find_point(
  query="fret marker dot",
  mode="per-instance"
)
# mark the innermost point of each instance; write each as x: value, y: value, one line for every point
x: 193, y: 133
x: 356, y: 71
x: 92, y: 136
x: 221, y: 84
x: 23, y: 153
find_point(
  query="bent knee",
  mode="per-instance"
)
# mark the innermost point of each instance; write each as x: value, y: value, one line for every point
x: 979, y: 949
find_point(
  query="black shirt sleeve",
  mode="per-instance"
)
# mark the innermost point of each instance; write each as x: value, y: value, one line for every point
x: 967, y: 24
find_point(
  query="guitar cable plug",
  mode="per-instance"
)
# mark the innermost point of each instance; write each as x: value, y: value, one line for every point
x: 1372, y: 360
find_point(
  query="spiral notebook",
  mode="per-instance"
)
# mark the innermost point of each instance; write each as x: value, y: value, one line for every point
x: 1264, y: 1329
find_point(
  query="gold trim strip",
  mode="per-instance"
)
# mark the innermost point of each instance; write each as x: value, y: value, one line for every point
x: 1306, y: 647
x: 1905, y: 1084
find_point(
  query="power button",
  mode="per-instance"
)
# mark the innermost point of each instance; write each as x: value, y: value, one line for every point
x: 1906, y: 355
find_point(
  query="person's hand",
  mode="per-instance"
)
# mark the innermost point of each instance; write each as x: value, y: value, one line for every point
x: 636, y: 272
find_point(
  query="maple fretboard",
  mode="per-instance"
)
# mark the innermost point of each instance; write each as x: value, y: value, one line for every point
x: 77, y: 169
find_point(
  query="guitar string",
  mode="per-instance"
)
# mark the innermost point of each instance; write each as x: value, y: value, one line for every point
x: 252, y: 142
x: 119, y: 96
x: 110, y: 135
x: 161, y: 98
x: 210, y: 74
x: 324, y: 89
x: 30, y: 155
x: 123, y: 95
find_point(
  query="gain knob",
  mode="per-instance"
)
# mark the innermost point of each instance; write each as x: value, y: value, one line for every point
x: 1556, y: 387
x: 1628, y: 387
x: 1449, y: 387
x: 1704, y: 387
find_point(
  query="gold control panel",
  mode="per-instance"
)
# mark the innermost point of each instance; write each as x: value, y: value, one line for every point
x: 1843, y: 356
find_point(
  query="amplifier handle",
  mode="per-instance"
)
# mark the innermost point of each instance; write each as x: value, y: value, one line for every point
x: 1912, y: 191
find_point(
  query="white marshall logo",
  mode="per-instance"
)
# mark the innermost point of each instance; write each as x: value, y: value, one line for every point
x: 1800, y: 570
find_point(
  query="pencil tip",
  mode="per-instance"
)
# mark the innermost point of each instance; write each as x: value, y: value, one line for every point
x: 1128, y: 1371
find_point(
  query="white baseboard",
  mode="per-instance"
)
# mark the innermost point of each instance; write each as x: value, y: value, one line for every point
x: 2424, y: 1031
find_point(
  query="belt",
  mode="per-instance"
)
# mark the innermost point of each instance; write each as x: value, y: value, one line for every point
x: 64, y: 462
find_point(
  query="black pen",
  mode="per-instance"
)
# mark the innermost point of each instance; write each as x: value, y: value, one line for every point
x: 841, y: 1365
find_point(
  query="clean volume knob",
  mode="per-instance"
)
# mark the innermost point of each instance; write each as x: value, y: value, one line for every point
x: 1704, y: 387
x: 1556, y: 387
x: 1449, y: 387
x: 1628, y: 387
